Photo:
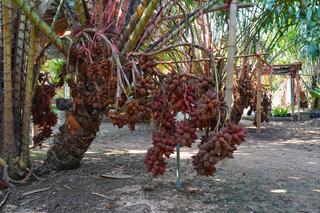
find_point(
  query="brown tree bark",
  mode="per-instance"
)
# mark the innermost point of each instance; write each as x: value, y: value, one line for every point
x: 73, y: 140
x: 8, y: 148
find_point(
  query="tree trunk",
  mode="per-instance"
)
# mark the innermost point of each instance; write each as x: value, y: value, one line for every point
x: 82, y: 119
x: 74, y: 139
x: 17, y: 75
x: 8, y: 146
x: 28, y: 94
x: 1, y: 77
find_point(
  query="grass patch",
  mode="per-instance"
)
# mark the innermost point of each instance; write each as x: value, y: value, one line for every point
x: 38, y: 154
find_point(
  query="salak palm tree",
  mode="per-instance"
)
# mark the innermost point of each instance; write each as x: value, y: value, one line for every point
x: 131, y: 22
x: 126, y: 30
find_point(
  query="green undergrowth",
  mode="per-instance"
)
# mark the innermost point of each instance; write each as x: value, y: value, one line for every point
x: 38, y: 154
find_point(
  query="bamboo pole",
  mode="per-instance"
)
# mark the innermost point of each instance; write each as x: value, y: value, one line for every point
x: 259, y: 95
x: 178, y: 174
x: 231, y: 53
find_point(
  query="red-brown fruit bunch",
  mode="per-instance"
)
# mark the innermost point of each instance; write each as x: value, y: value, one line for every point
x: 42, y: 114
x: 185, y: 134
x: 216, y: 147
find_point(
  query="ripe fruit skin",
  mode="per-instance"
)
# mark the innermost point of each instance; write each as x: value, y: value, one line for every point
x: 197, y: 100
x: 216, y: 147
x: 42, y: 115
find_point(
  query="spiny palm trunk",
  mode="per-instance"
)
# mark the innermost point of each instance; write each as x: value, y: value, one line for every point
x: 20, y: 47
x: 82, y: 120
x: 8, y: 146
x: 73, y: 140
x: 16, y: 77
x: 28, y: 95
x: 1, y: 78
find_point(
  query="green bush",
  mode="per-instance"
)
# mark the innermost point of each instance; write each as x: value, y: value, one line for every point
x: 54, y: 68
x: 280, y: 112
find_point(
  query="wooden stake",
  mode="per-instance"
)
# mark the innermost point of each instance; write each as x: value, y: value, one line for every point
x: 292, y: 96
x: 270, y: 81
x: 259, y: 95
x: 231, y: 53
x: 35, y: 131
x: 178, y: 175
x: 298, y: 94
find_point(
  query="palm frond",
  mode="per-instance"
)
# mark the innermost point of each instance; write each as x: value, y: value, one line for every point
x: 34, y: 17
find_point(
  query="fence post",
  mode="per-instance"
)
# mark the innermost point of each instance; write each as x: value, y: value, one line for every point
x: 231, y: 53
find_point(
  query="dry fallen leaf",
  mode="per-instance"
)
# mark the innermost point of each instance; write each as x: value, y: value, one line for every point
x: 108, y: 206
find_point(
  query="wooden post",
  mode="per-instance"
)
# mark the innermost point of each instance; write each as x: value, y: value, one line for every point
x: 178, y: 175
x: 35, y: 131
x: 231, y: 53
x: 292, y: 95
x: 298, y: 94
x: 270, y: 81
x: 259, y: 95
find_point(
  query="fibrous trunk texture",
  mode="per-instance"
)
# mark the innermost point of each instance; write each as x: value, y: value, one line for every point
x: 70, y: 144
x: 1, y: 78
x: 8, y: 146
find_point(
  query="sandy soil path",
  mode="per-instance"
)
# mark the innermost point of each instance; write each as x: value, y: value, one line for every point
x: 278, y: 171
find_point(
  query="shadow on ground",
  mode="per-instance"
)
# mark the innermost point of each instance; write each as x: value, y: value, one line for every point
x: 270, y: 173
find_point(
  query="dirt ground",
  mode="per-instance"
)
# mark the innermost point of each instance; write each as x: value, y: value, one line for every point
x: 278, y: 171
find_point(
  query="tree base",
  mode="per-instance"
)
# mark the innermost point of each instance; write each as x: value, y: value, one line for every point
x: 69, y: 146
